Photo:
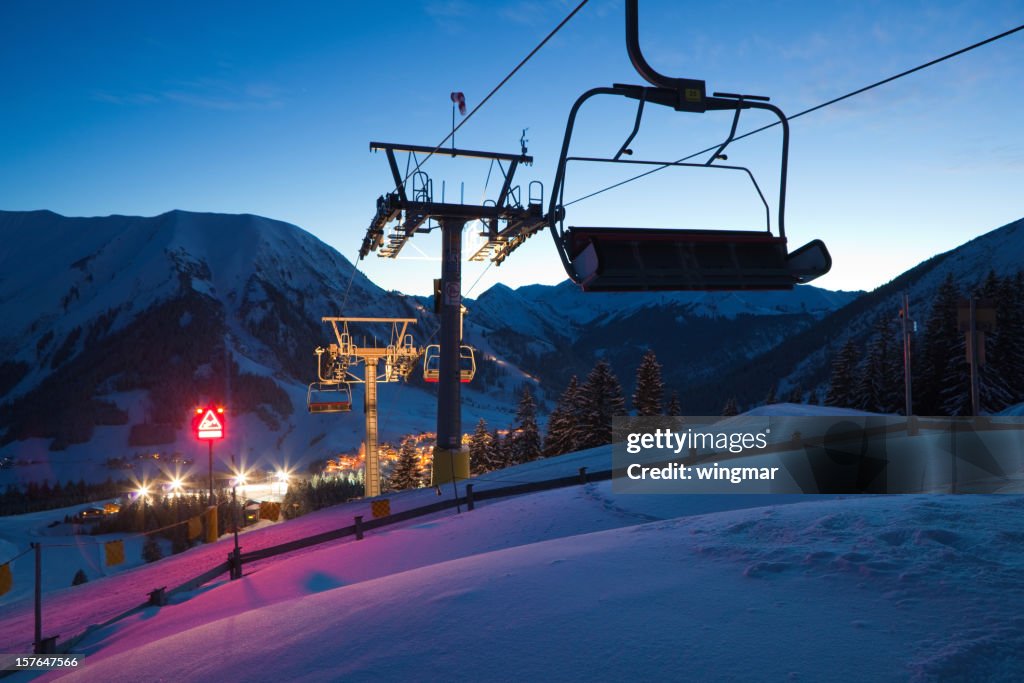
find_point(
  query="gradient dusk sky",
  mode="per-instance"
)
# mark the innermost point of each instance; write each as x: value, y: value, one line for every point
x: 268, y: 108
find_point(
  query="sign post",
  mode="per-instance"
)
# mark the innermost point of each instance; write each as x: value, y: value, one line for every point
x: 209, y: 425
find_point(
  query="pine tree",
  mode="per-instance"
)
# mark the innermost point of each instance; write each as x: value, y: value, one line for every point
x: 479, y: 449
x: 772, y: 396
x: 942, y: 356
x: 406, y: 474
x: 730, y: 408
x: 674, y: 407
x: 80, y: 578
x: 561, y: 434
x: 796, y: 395
x: 996, y: 377
x: 649, y: 386
x: 499, y: 453
x: 879, y: 387
x: 841, y: 383
x: 525, y: 437
x: 1008, y: 348
x: 600, y: 400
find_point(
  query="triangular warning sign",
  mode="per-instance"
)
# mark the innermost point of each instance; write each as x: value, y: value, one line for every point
x: 210, y: 426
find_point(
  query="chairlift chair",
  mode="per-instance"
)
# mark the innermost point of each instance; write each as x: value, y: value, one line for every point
x: 635, y: 259
x: 329, y: 397
x: 432, y: 363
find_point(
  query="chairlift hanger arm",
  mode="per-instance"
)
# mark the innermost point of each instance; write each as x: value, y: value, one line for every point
x: 689, y: 93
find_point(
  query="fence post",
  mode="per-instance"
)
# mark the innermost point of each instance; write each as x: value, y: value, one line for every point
x: 235, y: 564
x: 158, y: 596
x: 469, y: 497
x: 583, y: 475
x: 359, y: 527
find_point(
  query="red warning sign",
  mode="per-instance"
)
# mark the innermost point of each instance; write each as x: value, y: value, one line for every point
x: 209, y: 423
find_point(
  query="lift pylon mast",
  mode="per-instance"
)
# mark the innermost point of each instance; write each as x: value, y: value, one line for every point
x: 399, y: 358
x: 408, y: 210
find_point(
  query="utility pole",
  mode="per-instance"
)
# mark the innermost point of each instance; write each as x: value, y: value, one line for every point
x: 972, y: 347
x: 975, y: 318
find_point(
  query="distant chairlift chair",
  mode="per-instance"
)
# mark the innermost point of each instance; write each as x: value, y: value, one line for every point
x: 331, y: 393
x: 432, y: 363
x: 329, y: 397
x: 634, y: 259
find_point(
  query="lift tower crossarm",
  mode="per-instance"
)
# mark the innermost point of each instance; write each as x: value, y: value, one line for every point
x: 522, y: 222
x: 498, y: 156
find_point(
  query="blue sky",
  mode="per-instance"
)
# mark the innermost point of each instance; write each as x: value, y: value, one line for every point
x: 268, y: 108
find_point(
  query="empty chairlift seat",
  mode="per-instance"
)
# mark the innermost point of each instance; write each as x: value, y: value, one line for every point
x: 636, y: 259
x: 432, y: 363
x: 329, y: 398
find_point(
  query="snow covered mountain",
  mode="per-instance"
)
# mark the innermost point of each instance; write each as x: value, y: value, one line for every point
x: 555, y: 332
x: 114, y: 327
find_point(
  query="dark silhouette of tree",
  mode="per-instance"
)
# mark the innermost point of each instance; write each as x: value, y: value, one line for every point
x: 842, y: 382
x: 406, y: 474
x: 600, y: 400
x: 674, y: 407
x: 879, y: 387
x: 561, y: 433
x: 649, y: 386
x: 730, y: 408
x: 525, y: 438
x: 480, y: 450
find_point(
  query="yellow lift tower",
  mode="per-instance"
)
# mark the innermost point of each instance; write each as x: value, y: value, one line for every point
x: 336, y: 363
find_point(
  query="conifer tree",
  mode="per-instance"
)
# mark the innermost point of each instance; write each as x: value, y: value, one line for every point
x: 406, y: 474
x: 600, y: 400
x: 772, y: 396
x: 498, y: 453
x: 479, y: 449
x: 561, y: 433
x: 942, y: 356
x: 730, y: 408
x: 525, y: 438
x: 879, y: 388
x: 674, y: 407
x: 841, y: 383
x: 996, y: 376
x: 79, y: 578
x: 796, y: 395
x: 649, y: 386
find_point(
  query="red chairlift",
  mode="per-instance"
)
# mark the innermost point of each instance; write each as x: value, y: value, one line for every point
x: 432, y: 363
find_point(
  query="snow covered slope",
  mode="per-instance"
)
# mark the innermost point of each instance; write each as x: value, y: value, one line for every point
x: 582, y: 584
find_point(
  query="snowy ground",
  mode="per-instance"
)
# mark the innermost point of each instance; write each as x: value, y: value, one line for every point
x: 583, y: 584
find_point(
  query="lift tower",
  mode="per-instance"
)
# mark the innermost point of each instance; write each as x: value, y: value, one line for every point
x: 410, y: 210
x: 399, y: 358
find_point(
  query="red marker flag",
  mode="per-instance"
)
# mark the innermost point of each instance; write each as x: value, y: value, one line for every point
x: 459, y: 99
